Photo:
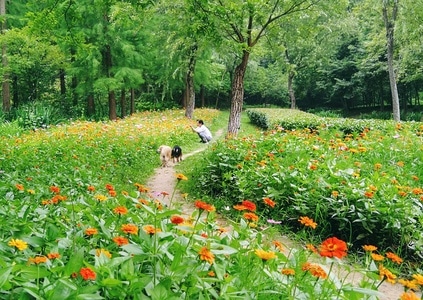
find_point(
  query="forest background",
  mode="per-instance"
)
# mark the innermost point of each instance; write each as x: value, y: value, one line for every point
x: 107, y: 59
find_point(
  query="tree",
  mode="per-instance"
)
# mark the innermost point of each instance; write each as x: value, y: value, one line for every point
x: 5, y: 81
x: 244, y: 23
x: 390, y: 12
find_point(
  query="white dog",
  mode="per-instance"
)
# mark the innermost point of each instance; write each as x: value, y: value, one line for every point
x: 165, y: 155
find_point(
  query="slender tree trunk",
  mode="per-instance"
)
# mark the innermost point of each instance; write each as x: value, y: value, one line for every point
x: 237, y: 96
x: 189, y: 81
x: 203, y: 95
x: 291, y: 90
x: 112, y: 106
x: 390, y: 26
x: 132, y: 105
x: 6, y: 79
x: 122, y: 104
x: 90, y: 105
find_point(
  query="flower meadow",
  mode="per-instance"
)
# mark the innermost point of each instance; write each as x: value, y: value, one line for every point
x: 80, y: 223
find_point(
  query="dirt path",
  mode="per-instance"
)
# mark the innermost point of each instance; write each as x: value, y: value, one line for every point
x: 164, y: 180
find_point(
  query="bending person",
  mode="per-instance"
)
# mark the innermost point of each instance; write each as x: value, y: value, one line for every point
x: 202, y: 131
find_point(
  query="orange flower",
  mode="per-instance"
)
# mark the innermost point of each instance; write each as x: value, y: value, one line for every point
x: 409, y: 284
x: 204, y: 206
x: 20, y: 187
x: 409, y: 296
x: 112, y: 193
x: 377, y: 257
x: 333, y: 247
x: 53, y: 255
x: 395, y: 258
x: 120, y: 240
x: 55, y: 189
x: 150, y: 229
x: 37, y: 260
x: 265, y: 255
x: 335, y: 194
x: 91, y: 188
x: 141, y: 188
x: 120, y: 210
x: 129, y: 228
x: 369, y: 194
x: 175, y: 219
x: 278, y: 245
x: 269, y: 202
x: 109, y: 187
x: 306, y: 221
x: 288, y: 271
x: 87, y: 274
x: 206, y: 255
x: 251, y: 216
x: 369, y: 248
x: 385, y: 273
x: 315, y: 270
x: 311, y: 248
x: 211, y: 274
x: 239, y: 207
x: 91, y: 231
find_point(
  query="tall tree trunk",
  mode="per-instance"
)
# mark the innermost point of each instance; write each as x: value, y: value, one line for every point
x: 291, y: 90
x: 132, y: 105
x: 203, y: 95
x: 189, y: 84
x: 122, y: 103
x: 90, y: 105
x: 390, y: 26
x: 237, y: 96
x: 112, y: 106
x: 6, y: 81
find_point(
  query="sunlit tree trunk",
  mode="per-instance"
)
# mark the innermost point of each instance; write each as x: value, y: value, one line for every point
x: 189, y: 84
x: 389, y: 20
x: 237, y: 95
x: 5, y: 82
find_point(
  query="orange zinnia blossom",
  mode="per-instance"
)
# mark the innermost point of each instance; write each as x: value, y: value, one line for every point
x: 204, y: 206
x: 91, y: 188
x: 395, y: 258
x: 239, y: 207
x: 385, y: 273
x: 150, y: 229
x: 377, y: 257
x: 249, y: 205
x: 109, y: 187
x: 175, y: 219
x: 288, y: 271
x: 91, y: 231
x: 206, y: 255
x: 120, y: 210
x: 269, y: 202
x: 311, y: 248
x: 53, y: 255
x: 129, y: 228
x: 87, y: 274
x: 409, y: 296
x: 20, y: 187
x: 278, y: 245
x: 55, y: 189
x: 306, y: 221
x: 265, y: 255
x: 112, y: 193
x: 333, y: 247
x: 251, y: 216
x: 315, y: 270
x: 369, y: 248
x: 409, y: 284
x: 120, y: 240
x: 37, y: 260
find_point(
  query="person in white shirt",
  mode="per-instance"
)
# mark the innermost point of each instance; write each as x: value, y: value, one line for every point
x: 202, y: 131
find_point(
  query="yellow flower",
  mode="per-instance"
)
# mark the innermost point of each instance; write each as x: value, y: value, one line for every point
x: 418, y: 278
x: 180, y: 176
x: 409, y: 296
x: 265, y: 255
x: 106, y: 253
x: 385, y: 273
x: 369, y: 248
x: 19, y: 244
x: 306, y: 221
x: 100, y: 198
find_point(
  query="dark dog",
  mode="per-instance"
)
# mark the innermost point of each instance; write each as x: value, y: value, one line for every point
x: 176, y: 154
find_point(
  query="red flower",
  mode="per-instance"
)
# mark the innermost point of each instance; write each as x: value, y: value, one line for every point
x: 120, y: 240
x: 249, y: 205
x: 175, y: 219
x: 87, y: 274
x: 333, y: 247
x: 269, y: 202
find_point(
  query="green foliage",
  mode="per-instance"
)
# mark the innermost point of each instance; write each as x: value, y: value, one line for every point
x: 35, y: 116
